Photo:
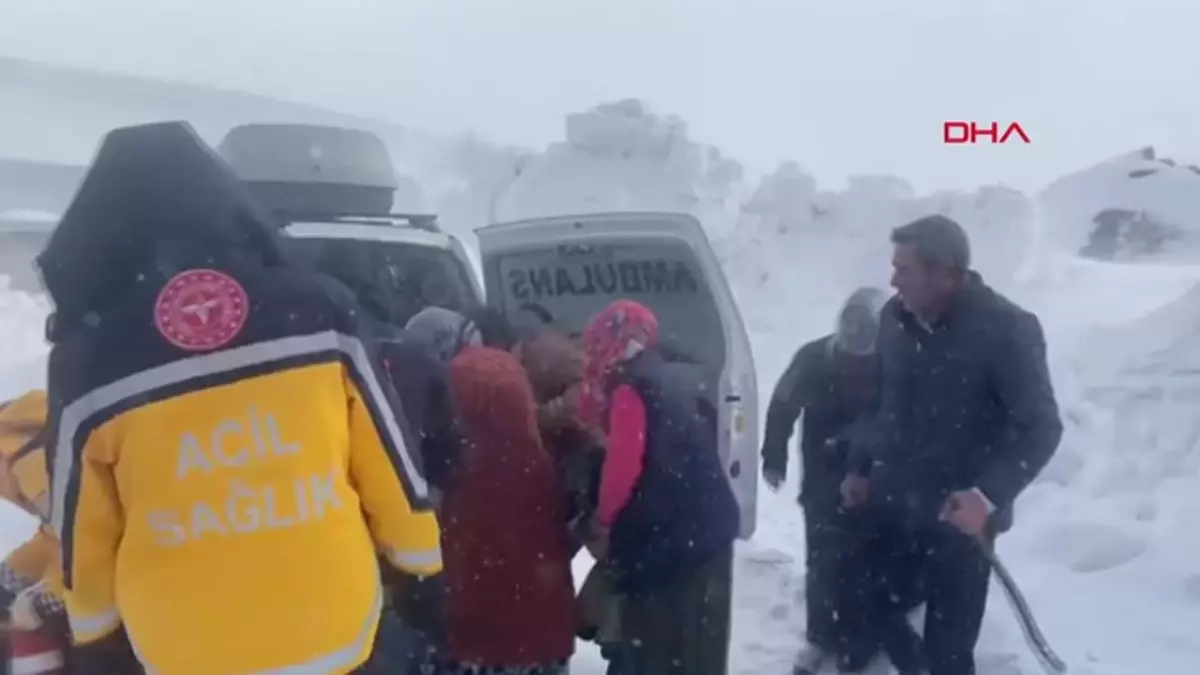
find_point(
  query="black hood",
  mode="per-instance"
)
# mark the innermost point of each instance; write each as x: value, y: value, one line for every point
x: 156, y: 200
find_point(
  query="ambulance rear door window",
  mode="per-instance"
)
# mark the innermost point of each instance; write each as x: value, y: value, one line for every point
x: 565, y: 285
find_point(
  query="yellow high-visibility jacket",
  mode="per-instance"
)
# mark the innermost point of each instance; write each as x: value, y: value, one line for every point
x: 229, y: 505
x: 25, y: 482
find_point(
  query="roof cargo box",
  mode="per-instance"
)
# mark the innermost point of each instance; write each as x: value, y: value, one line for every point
x: 311, y: 169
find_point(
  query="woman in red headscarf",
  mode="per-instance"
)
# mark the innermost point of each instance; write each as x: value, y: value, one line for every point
x: 667, y: 512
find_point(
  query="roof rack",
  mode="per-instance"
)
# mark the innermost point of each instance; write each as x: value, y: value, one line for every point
x: 421, y: 221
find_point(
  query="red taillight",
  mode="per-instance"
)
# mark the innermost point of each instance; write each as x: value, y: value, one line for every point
x: 35, y: 653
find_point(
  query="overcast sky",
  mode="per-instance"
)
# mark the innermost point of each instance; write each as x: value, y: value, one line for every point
x: 842, y: 86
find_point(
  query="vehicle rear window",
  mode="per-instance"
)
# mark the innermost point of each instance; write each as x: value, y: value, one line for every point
x: 565, y: 286
x: 407, y: 277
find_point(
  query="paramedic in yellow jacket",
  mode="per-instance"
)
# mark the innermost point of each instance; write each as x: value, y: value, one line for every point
x: 30, y: 573
x: 226, y: 461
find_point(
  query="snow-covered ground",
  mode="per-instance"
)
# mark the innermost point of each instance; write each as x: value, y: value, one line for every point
x: 1106, y: 541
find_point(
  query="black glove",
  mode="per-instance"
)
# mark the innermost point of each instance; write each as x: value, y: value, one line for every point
x: 420, y: 603
x: 110, y: 655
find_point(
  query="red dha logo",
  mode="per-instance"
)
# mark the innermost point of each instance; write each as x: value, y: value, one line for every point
x: 969, y: 132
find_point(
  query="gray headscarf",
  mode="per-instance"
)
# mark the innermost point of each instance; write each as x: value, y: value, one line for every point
x: 858, y: 322
x: 442, y: 331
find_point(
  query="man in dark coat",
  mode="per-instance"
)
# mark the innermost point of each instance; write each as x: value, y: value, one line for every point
x: 833, y: 381
x: 967, y: 418
x: 418, y: 371
x: 411, y: 632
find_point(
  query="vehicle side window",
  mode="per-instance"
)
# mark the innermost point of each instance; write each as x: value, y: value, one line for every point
x: 404, y: 278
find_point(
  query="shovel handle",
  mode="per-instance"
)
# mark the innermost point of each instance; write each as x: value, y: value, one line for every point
x: 1050, y: 661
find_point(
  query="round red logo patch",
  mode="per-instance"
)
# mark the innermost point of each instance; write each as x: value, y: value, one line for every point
x: 201, y: 310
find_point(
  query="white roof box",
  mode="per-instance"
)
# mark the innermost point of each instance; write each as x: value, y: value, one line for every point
x: 311, y: 170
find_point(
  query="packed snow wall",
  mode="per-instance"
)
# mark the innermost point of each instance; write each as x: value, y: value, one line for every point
x: 1139, y: 207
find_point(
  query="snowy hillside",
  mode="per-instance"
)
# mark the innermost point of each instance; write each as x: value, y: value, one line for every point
x: 1136, y: 207
x: 1105, y: 542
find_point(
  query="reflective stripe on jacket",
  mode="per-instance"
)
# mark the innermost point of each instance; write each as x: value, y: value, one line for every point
x: 237, y: 498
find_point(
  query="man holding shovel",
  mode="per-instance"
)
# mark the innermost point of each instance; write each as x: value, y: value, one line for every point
x: 967, y: 418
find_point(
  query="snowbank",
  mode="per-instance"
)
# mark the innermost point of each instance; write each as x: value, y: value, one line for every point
x: 1139, y: 206
x: 22, y: 349
x: 791, y: 249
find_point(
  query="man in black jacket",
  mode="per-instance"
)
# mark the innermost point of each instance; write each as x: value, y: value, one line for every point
x: 967, y: 418
x: 419, y: 374
x: 833, y: 381
x: 411, y: 634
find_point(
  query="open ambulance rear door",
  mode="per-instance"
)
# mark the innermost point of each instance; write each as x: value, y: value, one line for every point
x: 562, y: 270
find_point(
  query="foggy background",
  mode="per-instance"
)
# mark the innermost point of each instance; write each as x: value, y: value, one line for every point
x: 855, y: 86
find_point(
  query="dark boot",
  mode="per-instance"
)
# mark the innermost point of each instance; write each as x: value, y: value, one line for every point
x: 857, y: 657
x: 904, y: 648
x: 111, y: 655
x: 619, y: 660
